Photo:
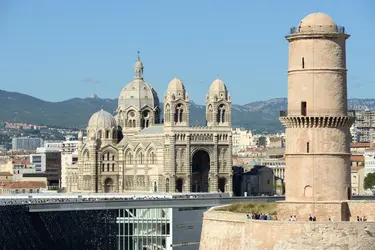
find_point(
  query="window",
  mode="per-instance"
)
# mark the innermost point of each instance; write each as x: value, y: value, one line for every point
x: 303, y: 108
x: 308, y: 147
x: 303, y: 62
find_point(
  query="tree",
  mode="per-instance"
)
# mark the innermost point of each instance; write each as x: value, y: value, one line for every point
x: 369, y: 182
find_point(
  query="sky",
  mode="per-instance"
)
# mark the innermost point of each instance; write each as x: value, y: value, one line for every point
x: 57, y: 50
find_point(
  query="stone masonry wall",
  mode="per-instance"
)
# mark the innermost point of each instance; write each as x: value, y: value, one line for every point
x: 321, y: 210
x: 361, y: 208
x: 227, y: 231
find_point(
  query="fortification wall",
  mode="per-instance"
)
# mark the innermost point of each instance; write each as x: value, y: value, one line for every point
x: 325, y: 210
x: 361, y: 208
x: 227, y: 231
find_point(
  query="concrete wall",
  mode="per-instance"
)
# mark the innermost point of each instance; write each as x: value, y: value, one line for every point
x: 227, y: 231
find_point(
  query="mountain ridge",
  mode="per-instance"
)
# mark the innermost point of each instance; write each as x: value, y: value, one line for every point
x: 260, y: 116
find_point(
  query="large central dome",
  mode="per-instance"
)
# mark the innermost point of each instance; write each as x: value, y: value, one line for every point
x: 138, y: 93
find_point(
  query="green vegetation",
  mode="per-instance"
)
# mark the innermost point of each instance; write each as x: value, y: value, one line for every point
x: 369, y: 182
x: 250, y: 208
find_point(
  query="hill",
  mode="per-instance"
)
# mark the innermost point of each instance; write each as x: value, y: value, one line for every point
x: 261, y: 116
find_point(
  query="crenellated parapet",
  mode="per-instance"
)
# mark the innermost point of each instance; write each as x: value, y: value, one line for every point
x: 317, y: 122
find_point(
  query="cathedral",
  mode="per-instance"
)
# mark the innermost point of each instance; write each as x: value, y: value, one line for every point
x: 140, y: 151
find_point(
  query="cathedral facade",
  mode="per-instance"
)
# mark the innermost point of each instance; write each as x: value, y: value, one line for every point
x: 138, y: 150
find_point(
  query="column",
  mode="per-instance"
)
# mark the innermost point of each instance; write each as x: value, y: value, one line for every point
x: 213, y: 167
x: 188, y: 164
x: 172, y: 163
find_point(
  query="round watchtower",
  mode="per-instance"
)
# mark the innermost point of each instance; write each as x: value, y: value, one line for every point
x: 317, y: 125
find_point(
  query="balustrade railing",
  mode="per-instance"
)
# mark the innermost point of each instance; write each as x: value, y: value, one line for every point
x: 315, y: 28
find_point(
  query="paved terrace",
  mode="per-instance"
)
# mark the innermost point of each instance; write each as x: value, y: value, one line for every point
x: 174, y: 202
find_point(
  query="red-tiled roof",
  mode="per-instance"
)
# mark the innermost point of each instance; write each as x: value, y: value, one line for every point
x: 359, y: 158
x: 360, y: 145
x: 24, y: 162
x: 5, y: 174
x: 23, y: 184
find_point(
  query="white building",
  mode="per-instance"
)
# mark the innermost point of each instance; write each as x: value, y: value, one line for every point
x: 369, y: 156
x: 39, y: 161
x: 69, y: 166
x: 26, y: 143
x: 241, y: 139
x: 161, y: 228
x: 50, y: 147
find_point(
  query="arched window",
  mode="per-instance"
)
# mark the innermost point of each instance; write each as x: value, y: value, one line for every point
x: 113, y: 167
x: 130, y: 158
x: 152, y: 158
x: 179, y: 113
x: 167, y: 114
x: 221, y: 114
x: 210, y: 113
x: 107, y: 134
x: 167, y: 185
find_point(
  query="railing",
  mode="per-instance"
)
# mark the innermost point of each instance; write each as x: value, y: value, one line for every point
x: 321, y: 112
x: 316, y: 28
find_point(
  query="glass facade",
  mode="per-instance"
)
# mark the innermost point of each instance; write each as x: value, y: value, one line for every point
x: 144, y: 229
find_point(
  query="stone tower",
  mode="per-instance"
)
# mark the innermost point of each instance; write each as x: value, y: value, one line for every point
x: 176, y: 104
x: 317, y: 124
x: 218, y: 105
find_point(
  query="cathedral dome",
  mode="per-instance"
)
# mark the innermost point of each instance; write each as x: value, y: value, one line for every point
x: 102, y: 120
x: 317, y: 22
x: 138, y: 94
x: 218, y: 86
x: 176, y: 85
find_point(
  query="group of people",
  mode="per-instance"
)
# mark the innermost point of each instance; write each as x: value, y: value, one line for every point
x: 313, y: 218
x: 293, y: 218
x: 260, y: 216
x: 362, y: 218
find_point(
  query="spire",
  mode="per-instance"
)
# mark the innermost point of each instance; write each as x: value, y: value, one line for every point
x: 138, y: 68
x: 218, y: 76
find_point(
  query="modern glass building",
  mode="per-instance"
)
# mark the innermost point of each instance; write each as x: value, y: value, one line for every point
x: 159, y: 228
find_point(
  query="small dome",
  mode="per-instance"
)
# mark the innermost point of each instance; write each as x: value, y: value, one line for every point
x: 138, y: 64
x: 218, y: 85
x: 176, y: 85
x: 102, y: 120
x: 317, y: 22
